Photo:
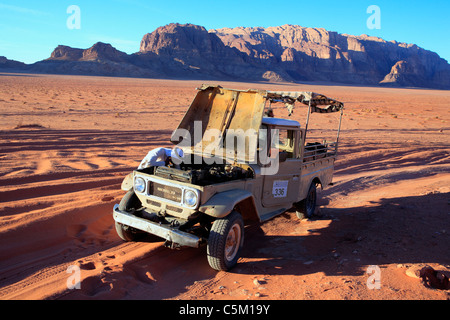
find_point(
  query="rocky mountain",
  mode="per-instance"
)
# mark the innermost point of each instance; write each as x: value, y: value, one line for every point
x: 190, y: 49
x: 284, y: 53
x: 294, y: 53
x: 10, y: 64
x: 66, y: 53
x: 98, y: 52
x: 101, y: 59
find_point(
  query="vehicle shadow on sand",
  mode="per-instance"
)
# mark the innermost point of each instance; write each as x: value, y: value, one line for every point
x: 399, y: 230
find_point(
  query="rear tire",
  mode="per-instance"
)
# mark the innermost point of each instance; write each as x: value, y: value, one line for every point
x: 129, y: 203
x: 306, y: 208
x: 225, y: 242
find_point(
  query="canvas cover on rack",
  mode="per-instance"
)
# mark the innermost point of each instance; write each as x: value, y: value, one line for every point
x: 319, y: 103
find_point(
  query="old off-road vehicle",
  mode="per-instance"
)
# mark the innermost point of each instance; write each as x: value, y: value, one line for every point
x: 239, y: 167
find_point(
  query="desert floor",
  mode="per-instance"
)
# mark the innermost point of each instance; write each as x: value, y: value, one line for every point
x: 66, y: 143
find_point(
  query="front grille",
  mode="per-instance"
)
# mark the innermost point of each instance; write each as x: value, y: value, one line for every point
x: 164, y: 191
x: 153, y: 203
x: 174, y: 209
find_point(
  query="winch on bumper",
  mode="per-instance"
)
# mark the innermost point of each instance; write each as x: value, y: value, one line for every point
x: 173, y: 237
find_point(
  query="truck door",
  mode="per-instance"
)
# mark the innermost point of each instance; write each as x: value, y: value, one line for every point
x: 281, y: 187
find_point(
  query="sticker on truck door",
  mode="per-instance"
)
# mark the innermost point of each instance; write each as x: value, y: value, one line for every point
x: 280, y: 189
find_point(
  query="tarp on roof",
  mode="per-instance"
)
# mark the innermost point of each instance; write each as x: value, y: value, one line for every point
x: 319, y: 102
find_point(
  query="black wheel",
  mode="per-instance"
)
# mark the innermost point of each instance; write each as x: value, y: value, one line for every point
x: 225, y: 242
x: 305, y: 209
x: 129, y: 203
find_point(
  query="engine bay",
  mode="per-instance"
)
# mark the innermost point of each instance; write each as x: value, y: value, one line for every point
x: 204, y: 174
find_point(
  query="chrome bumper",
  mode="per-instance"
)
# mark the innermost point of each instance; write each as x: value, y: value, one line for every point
x: 162, y: 231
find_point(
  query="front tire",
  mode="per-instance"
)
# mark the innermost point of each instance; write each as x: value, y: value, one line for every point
x: 129, y: 203
x: 225, y: 242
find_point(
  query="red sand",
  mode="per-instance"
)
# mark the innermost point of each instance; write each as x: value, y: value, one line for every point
x: 67, y: 142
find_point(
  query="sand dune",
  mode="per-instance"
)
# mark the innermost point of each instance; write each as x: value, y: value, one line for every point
x: 67, y: 142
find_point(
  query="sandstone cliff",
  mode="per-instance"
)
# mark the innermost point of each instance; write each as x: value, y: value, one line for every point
x: 294, y: 53
x: 284, y: 53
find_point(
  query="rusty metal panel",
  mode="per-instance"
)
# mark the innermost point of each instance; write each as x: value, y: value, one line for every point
x: 220, y: 110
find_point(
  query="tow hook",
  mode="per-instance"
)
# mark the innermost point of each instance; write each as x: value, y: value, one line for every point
x: 171, y: 245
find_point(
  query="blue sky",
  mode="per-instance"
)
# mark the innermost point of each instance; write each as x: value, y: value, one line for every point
x: 31, y: 29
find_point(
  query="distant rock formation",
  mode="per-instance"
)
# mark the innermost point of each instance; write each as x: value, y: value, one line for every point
x: 10, y: 64
x: 275, y: 54
x: 101, y: 59
x: 66, y: 53
x: 98, y: 52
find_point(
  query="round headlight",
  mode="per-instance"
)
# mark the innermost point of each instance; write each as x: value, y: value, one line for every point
x: 139, y: 185
x: 190, y: 198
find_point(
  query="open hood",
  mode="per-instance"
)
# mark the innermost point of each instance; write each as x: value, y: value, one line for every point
x: 218, y: 116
